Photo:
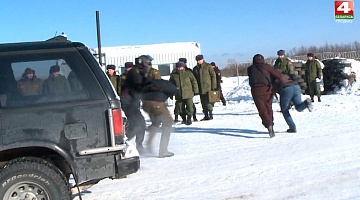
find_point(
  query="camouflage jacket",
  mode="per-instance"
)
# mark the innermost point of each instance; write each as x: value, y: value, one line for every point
x: 29, y: 87
x: 312, y: 70
x: 55, y: 85
x: 116, y: 82
x: 205, y: 76
x: 153, y: 74
x: 285, y: 65
x: 186, y: 83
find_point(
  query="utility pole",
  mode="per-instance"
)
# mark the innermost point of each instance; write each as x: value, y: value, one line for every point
x: 98, y: 37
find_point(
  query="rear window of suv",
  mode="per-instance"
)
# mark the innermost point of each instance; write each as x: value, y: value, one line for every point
x: 45, y: 76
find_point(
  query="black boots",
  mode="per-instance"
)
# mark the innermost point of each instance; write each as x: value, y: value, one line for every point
x: 183, y: 119
x: 176, y: 118
x: 194, y: 117
x: 188, y: 120
x: 210, y: 115
x: 319, y: 100
x: 206, y: 117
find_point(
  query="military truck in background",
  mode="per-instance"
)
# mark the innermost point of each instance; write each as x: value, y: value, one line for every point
x: 48, y: 138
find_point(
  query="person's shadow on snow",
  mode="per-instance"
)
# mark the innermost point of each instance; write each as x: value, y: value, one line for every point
x: 245, y: 133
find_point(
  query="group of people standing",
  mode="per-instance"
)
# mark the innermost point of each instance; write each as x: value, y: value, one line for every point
x: 265, y: 81
x: 141, y: 82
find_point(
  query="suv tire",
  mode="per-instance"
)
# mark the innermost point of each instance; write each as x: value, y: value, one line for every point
x: 32, y: 178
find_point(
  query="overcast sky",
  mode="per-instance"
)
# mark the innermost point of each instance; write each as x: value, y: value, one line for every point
x: 234, y: 29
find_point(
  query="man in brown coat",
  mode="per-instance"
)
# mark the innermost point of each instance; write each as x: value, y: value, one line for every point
x: 260, y: 76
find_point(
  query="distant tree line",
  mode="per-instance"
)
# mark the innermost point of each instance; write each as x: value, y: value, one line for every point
x: 351, y: 50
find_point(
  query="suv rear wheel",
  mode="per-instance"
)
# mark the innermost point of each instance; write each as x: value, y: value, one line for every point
x: 32, y: 178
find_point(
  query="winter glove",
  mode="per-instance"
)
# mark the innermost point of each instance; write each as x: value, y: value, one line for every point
x: 317, y: 80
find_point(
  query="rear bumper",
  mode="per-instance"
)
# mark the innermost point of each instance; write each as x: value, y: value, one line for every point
x: 128, y: 163
x: 127, y: 166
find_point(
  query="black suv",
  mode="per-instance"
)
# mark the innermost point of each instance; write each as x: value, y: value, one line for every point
x: 60, y: 121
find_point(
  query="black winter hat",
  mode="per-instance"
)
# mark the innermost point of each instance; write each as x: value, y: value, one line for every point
x: 184, y: 60
x: 199, y: 57
x: 180, y: 64
x: 129, y: 64
x: 111, y: 67
x: 281, y: 52
x: 54, y: 68
x: 212, y: 64
x: 258, y: 59
x: 310, y: 55
x: 29, y: 71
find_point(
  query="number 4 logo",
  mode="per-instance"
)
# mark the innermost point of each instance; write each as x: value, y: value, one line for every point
x: 344, y: 10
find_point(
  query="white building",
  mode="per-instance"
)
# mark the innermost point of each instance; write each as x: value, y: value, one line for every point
x: 165, y: 55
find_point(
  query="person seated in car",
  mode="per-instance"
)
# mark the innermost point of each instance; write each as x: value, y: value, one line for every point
x: 56, y: 83
x: 29, y: 84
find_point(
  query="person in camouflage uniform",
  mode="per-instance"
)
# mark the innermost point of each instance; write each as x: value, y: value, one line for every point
x: 115, y: 79
x: 206, y: 79
x: 29, y: 84
x: 153, y: 73
x: 187, y: 85
x: 284, y: 64
x: 56, y: 83
x: 313, y: 76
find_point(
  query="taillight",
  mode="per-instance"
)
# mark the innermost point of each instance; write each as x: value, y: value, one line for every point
x: 117, y: 121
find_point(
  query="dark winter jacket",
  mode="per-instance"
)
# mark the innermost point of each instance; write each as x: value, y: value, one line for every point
x: 159, y: 90
x: 260, y: 78
x: 205, y: 76
x: 136, y: 79
x: 218, y: 77
x: 285, y: 81
x: 186, y: 82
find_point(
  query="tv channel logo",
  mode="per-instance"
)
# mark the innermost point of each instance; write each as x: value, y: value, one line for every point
x: 344, y: 11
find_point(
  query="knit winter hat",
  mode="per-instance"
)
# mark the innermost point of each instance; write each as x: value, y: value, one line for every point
x: 110, y: 67
x: 180, y: 64
x: 281, y: 52
x: 29, y: 71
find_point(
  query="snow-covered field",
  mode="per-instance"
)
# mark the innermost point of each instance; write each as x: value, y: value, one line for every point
x: 232, y: 156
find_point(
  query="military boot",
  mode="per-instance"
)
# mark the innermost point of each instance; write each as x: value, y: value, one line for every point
x: 210, y: 115
x: 176, y: 118
x: 183, y: 119
x: 206, y: 117
x: 319, y: 100
x: 194, y: 117
x: 188, y: 120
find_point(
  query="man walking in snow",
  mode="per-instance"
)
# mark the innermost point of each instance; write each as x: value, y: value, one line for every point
x: 260, y: 76
x: 290, y: 92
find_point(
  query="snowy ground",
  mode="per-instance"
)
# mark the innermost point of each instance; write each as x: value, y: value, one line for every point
x: 232, y: 156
